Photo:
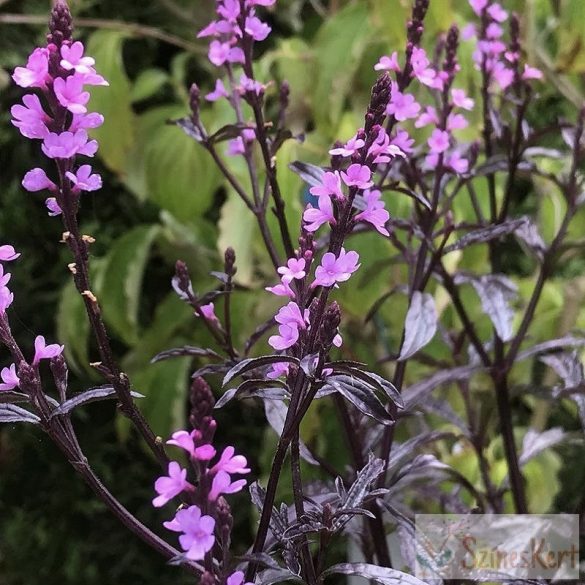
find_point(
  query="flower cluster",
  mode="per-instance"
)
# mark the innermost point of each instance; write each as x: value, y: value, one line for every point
x: 232, y: 36
x: 60, y: 73
x: 9, y: 375
x: 204, y: 511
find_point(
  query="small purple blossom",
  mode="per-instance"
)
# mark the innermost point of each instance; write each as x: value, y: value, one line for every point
x: 282, y: 290
x: 357, y: 176
x: 44, y: 351
x: 294, y: 269
x: 167, y: 487
x: 53, y: 206
x: 314, y: 218
x: 208, y: 312
x: 30, y: 118
x: 72, y: 58
x: 461, y: 100
x: 231, y: 463
x: 330, y: 185
x: 291, y: 315
x: 255, y: 28
x: 197, y: 538
x: 6, y: 298
x: 36, y: 72
x: 287, y: 336
x: 84, y: 180
x: 68, y: 144
x: 37, y: 180
x: 237, y: 578
x: 8, y: 253
x: 186, y: 441
x: 70, y: 93
x: 428, y: 117
x: 388, y: 63
x: 375, y: 213
x: 350, y: 147
x: 9, y: 377
x: 220, y: 53
x: 277, y: 370
x: 531, y: 73
x: 218, y: 92
x: 333, y: 270
x: 438, y: 141
x: 402, y: 106
x: 223, y: 484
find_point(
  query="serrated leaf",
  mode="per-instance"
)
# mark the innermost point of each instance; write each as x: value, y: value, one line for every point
x: 91, y: 395
x: 486, y: 234
x: 263, y: 389
x: 122, y: 280
x: 186, y: 350
x: 382, y: 575
x: 420, y: 325
x: 10, y: 413
x: 257, y: 362
x: 535, y: 442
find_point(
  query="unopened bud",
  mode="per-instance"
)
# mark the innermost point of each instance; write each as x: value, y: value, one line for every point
x: 60, y: 24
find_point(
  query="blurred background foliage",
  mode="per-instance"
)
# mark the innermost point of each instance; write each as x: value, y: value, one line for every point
x: 163, y: 200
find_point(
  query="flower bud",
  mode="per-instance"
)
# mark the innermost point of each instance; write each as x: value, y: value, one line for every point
x: 60, y: 24
x: 202, y: 401
x: 331, y: 321
x: 229, y: 261
x: 194, y: 96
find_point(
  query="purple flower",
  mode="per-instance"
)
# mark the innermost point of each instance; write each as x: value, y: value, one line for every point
x: 351, y: 146
x: 402, y: 106
x: 68, y: 144
x: 403, y: 141
x: 457, y: 163
x: 36, y: 71
x: 231, y: 463
x: 72, y: 58
x: 531, y: 73
x: 478, y: 5
x: 197, y: 537
x: 428, y: 117
x: 357, y: 176
x: 4, y: 278
x: 314, y: 218
x: 186, y: 441
x: 9, y: 378
x: 330, y: 185
x: 502, y: 75
x: 456, y: 122
x: 84, y: 121
x: 257, y: 29
x: 382, y: 151
x: 37, y: 180
x: 44, y: 351
x: 439, y: 141
x: 294, y: 269
x: 248, y: 85
x: 8, y: 253
x: 167, y: 487
x: 375, y: 213
x: 420, y: 67
x: 278, y: 369
x: 282, y: 290
x: 70, y: 93
x: 229, y: 9
x: 497, y: 12
x: 218, y: 92
x: 84, y: 180
x: 237, y: 578
x: 494, y: 31
x: 6, y: 298
x: 333, y: 270
x: 53, y: 207
x: 461, y: 100
x: 220, y: 53
x: 236, y: 146
x: 222, y: 484
x: 208, y: 312
x: 287, y: 336
x: 291, y: 315
x: 388, y: 63
x: 260, y: 2
x: 215, y: 28
x: 30, y: 119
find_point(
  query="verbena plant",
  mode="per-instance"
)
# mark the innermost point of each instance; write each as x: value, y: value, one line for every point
x: 385, y: 482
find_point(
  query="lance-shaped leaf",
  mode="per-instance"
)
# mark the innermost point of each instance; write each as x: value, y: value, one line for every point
x: 382, y: 575
x: 486, y: 234
x: 11, y: 397
x: 252, y: 363
x: 361, y: 395
x: 276, y: 415
x: 421, y: 324
x: 189, y: 128
x: 263, y: 389
x: 552, y: 345
x: 227, y: 132
x: 311, y: 174
x: 402, y: 453
x: 10, y: 413
x: 282, y: 575
x: 567, y: 366
x: 535, y: 442
x: 496, y: 292
x: 187, y: 350
x: 92, y: 395
x: 278, y: 521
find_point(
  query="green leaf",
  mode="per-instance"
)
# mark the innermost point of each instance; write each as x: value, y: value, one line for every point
x: 339, y: 46
x: 120, y: 291
x: 148, y: 83
x: 116, y: 136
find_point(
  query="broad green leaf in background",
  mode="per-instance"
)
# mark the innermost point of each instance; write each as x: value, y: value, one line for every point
x: 121, y: 286
x: 339, y: 46
x: 116, y: 136
x: 148, y: 83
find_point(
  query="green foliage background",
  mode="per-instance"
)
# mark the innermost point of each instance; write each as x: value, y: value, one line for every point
x: 163, y: 199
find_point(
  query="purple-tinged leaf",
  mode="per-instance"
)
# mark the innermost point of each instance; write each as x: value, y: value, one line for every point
x: 91, y: 395
x: 221, y: 276
x: 540, y: 151
x: 382, y: 575
x: 252, y: 363
x: 406, y: 451
x: 271, y: 576
x: 227, y: 132
x: 421, y: 324
x: 536, y: 442
x: 311, y: 174
x: 309, y: 364
x: 486, y: 234
x: 361, y: 395
x: 11, y: 397
x: 208, y: 369
x: 567, y: 366
x: 187, y: 350
x: 189, y: 128
x: 528, y: 234
x: 276, y: 415
x: 278, y: 522
x: 10, y: 413
x: 263, y: 389
x: 552, y: 345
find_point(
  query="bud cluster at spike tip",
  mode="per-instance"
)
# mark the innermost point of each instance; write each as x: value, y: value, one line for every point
x: 56, y: 113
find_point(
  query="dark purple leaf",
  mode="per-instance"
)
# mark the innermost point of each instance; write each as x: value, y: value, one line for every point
x: 263, y: 389
x: 309, y: 363
x: 187, y: 350
x: 535, y: 442
x: 420, y: 325
x: 311, y: 174
x: 227, y: 132
x: 252, y: 363
x: 361, y: 395
x: 568, y: 367
x: 270, y: 576
x: 486, y: 234
x: 210, y: 369
x: 11, y: 397
x: 92, y: 395
x: 552, y: 345
x: 187, y: 126
x: 221, y: 276
x: 258, y: 334
x: 529, y: 234
x: 10, y: 413
x: 540, y: 151
x: 404, y: 452
x: 382, y: 575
